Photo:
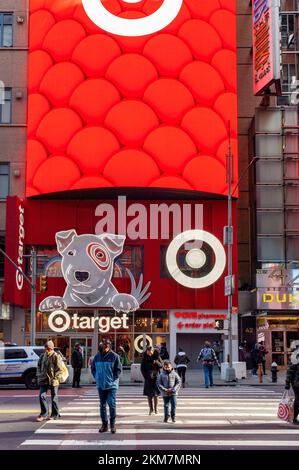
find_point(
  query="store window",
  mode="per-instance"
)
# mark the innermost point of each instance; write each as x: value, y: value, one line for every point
x: 4, y: 179
x: 6, y: 29
x: 6, y: 106
x: 131, y: 258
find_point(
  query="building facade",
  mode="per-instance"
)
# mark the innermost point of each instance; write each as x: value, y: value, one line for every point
x: 148, y: 118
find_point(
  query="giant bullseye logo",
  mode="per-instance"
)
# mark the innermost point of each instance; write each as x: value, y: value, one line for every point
x: 158, y: 20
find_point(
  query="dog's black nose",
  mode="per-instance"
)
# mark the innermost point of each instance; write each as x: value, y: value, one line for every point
x: 81, y: 276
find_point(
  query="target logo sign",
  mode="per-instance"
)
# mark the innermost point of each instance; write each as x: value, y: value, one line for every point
x: 158, y: 20
x: 200, y: 247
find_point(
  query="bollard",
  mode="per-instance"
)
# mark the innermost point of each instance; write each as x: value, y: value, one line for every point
x: 260, y: 373
x: 274, y: 370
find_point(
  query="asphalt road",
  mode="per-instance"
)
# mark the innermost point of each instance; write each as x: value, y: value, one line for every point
x: 237, y: 417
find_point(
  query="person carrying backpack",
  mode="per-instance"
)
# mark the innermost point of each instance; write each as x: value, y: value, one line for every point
x: 208, y: 357
x: 50, y: 373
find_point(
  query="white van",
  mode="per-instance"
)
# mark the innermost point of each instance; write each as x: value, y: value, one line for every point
x: 18, y: 364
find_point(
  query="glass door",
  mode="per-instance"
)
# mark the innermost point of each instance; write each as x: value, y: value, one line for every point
x: 281, y: 346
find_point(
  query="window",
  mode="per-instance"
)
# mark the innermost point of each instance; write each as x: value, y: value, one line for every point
x: 287, y: 31
x: 6, y: 30
x: 15, y: 354
x: 4, y: 180
x: 50, y: 264
x: 2, y: 246
x: 5, y: 106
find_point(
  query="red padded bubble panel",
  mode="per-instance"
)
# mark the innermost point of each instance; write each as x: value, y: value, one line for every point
x: 107, y: 110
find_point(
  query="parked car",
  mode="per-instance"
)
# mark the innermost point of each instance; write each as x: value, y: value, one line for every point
x: 18, y: 364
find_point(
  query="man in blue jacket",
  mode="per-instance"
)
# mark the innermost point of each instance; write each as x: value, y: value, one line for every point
x: 106, y: 369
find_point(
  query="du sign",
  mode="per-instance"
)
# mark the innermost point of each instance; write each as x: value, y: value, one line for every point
x: 277, y: 289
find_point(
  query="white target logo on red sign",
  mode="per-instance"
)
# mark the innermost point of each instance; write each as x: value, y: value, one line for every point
x: 158, y: 20
x: 200, y: 246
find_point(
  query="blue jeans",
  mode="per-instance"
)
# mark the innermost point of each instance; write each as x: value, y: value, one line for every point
x: 44, y: 401
x: 170, y: 400
x: 208, y: 374
x: 107, y: 397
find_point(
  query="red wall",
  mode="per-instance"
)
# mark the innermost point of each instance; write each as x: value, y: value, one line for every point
x: 44, y: 218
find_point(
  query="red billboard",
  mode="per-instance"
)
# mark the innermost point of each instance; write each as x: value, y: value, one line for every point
x: 126, y: 93
x: 266, y: 42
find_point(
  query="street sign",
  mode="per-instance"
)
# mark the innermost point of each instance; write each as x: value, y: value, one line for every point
x: 229, y: 285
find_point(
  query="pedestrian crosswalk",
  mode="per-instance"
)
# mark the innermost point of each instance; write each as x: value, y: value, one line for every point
x: 221, y: 418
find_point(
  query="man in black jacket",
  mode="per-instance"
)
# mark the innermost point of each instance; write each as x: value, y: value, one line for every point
x: 292, y: 377
x: 77, y: 364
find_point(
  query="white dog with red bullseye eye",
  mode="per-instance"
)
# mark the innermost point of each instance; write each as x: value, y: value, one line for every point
x: 87, y: 267
x: 158, y: 20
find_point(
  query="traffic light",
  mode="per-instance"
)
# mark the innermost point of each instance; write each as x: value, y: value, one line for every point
x: 43, y: 283
x: 219, y: 324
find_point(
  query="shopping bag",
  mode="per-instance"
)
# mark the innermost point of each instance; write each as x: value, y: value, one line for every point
x: 286, y: 407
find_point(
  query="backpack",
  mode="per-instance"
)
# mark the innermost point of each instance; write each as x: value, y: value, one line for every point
x: 64, y: 373
x: 207, y: 354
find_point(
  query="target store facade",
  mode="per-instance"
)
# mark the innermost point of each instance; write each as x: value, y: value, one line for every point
x: 129, y: 110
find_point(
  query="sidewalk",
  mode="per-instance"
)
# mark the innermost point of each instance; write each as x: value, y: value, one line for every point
x: 194, y: 378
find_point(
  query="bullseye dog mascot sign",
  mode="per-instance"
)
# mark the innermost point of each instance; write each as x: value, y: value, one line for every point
x: 87, y: 267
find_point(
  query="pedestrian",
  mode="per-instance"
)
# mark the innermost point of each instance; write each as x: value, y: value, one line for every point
x: 169, y: 383
x: 218, y: 350
x: 106, y: 369
x: 77, y: 364
x: 242, y: 357
x: 163, y: 352
x: 208, y: 357
x: 182, y: 360
x: 262, y: 355
x: 50, y: 368
x: 292, y: 378
x: 150, y: 368
x: 254, y: 358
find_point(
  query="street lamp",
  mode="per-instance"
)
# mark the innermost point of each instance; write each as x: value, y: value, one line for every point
x: 230, y: 375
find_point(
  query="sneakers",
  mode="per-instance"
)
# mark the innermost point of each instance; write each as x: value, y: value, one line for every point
x: 104, y: 428
x: 41, y: 418
x: 295, y: 421
x: 166, y: 419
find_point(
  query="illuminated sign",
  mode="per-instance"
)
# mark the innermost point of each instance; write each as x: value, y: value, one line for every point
x: 196, y: 258
x: 87, y: 267
x: 197, y: 320
x: 138, y: 342
x: 20, y: 259
x: 108, y: 107
x: 60, y: 321
x: 277, y: 288
x: 266, y: 50
x: 165, y: 14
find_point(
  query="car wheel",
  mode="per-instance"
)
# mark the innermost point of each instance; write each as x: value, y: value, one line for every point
x: 31, y: 381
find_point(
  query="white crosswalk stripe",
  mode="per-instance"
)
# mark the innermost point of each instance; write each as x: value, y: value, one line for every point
x: 222, y: 417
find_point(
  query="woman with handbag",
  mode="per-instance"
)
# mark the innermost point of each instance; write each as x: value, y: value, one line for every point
x: 150, y: 369
x: 292, y: 378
